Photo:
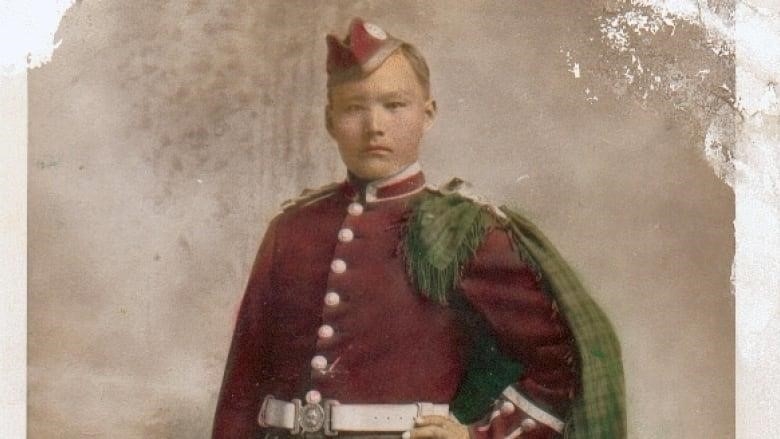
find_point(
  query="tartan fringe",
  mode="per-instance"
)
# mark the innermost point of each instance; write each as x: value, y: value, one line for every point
x: 434, y: 272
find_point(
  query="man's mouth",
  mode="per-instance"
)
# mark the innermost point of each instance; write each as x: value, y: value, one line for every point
x: 377, y: 148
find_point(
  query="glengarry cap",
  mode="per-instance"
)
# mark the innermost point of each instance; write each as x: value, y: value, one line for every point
x: 366, y: 47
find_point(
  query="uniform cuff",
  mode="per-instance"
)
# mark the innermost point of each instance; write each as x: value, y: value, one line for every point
x: 534, y: 412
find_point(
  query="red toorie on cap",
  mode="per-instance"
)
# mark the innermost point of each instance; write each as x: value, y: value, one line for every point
x: 366, y: 46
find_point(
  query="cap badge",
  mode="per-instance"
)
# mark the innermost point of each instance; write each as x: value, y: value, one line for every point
x: 375, y: 31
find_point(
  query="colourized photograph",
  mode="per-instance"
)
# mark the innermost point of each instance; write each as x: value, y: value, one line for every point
x: 372, y: 219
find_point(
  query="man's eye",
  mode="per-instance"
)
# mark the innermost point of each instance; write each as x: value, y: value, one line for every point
x: 395, y: 105
x: 353, y: 108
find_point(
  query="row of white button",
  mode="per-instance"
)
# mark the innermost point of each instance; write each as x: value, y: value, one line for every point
x: 338, y: 266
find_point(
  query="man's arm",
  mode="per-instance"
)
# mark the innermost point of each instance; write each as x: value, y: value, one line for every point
x: 506, y: 293
x: 239, y: 399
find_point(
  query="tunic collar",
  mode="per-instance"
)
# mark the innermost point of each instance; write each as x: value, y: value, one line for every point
x: 407, y: 181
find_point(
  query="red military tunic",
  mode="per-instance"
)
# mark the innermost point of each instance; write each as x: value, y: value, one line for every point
x: 329, y: 307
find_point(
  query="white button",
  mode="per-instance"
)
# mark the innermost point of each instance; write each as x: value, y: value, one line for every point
x: 507, y: 408
x: 325, y: 331
x: 338, y: 265
x: 319, y: 362
x: 528, y: 424
x: 332, y: 298
x: 313, y: 397
x: 346, y: 235
x: 355, y: 209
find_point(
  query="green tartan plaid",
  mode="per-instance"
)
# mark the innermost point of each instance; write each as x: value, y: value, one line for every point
x: 445, y: 231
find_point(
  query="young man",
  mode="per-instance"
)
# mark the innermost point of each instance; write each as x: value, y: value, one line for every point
x: 380, y: 307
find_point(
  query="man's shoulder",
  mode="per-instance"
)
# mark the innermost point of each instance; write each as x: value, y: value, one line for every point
x: 451, y: 221
x: 454, y: 218
x: 449, y: 226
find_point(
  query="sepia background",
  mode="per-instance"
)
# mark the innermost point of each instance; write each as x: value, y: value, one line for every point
x: 163, y: 137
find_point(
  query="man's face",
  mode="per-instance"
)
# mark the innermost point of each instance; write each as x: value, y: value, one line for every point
x: 378, y: 121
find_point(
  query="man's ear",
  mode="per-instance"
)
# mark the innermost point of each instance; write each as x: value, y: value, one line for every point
x: 430, y: 113
x: 329, y: 119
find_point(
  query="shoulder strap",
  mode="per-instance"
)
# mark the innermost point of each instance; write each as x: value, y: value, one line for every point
x: 309, y: 196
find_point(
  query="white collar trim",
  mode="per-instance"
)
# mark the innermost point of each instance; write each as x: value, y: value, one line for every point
x: 372, y: 187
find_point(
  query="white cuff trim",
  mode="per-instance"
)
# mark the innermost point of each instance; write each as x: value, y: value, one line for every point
x: 532, y: 410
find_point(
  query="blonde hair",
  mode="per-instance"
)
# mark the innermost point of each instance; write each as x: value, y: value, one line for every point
x: 416, y: 61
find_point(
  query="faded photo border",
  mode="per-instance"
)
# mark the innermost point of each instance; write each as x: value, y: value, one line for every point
x: 751, y: 169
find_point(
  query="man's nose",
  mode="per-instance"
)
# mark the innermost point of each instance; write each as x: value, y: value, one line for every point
x: 375, y: 122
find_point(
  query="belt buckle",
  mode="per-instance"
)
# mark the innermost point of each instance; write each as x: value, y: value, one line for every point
x: 312, y: 418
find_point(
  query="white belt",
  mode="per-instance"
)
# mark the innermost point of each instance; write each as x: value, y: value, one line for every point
x: 330, y: 417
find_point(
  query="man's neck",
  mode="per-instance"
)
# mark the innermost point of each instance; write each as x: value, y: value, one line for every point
x: 371, y: 190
